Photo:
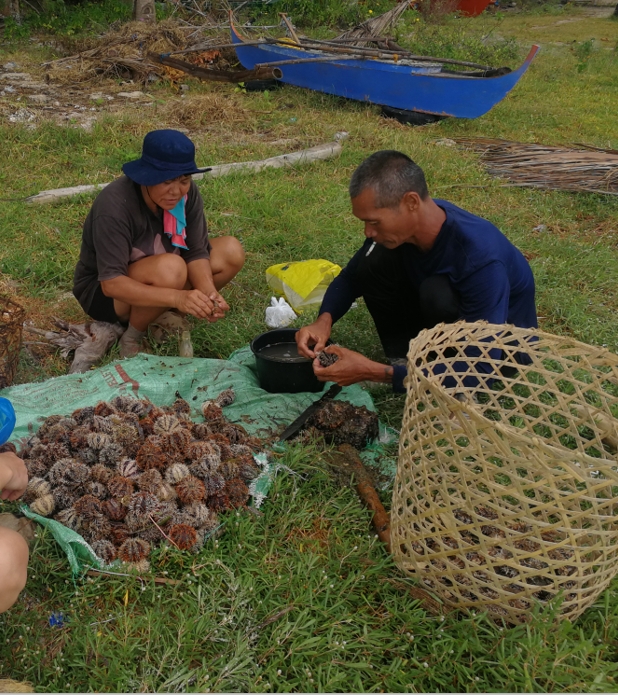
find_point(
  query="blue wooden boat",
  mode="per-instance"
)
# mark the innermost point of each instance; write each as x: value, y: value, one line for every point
x: 409, y: 85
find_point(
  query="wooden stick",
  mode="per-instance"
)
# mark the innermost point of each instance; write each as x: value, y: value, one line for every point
x: 366, y: 491
x: 290, y: 27
x: 297, y: 61
x: 313, y: 154
x: 213, y: 75
x: 156, y: 580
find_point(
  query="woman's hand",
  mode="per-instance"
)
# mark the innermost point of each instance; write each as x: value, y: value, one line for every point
x: 13, y: 476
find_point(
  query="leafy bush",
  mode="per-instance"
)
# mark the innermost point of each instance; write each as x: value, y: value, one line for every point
x: 68, y: 19
x: 316, y: 13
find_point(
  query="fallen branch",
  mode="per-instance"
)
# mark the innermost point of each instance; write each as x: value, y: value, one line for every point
x: 326, y: 151
x: 213, y: 74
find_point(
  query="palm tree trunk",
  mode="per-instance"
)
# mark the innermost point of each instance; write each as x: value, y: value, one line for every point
x: 144, y: 11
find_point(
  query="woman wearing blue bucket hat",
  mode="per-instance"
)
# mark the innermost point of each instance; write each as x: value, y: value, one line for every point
x: 145, y: 246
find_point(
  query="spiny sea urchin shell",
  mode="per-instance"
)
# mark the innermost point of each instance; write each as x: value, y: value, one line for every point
x: 120, y: 487
x: 211, y: 411
x: 198, y: 513
x: 150, y: 481
x: 127, y: 468
x: 218, y: 502
x: 96, y: 489
x: 225, y: 398
x: 240, y: 450
x: 96, y: 528
x: 87, y: 506
x: 166, y: 493
x: 180, y: 406
x: 68, y: 471
x: 37, y: 487
x: 166, y: 424
x: 105, y: 551
x: 46, y: 426
x: 228, y: 469
x: 143, y: 503
x: 183, y: 535
x: 140, y: 567
x: 83, y: 415
x: 101, y: 473
x: 68, y: 518
x: 213, y: 483
x: 119, y: 534
x: 178, y: 441
x: 78, y: 438
x: 190, y: 490
x: 235, y: 433
x: 100, y: 424
x: 114, y: 509
x: 36, y: 468
x: 150, y: 455
x: 111, y: 454
x: 134, y: 550
x: 49, y: 453
x: 175, y: 473
x: 65, y: 496
x: 237, y: 492
x: 103, y: 409
x: 136, y: 522
x: 98, y: 440
x: 43, y: 505
x: 201, y: 430
x: 128, y: 438
x: 127, y: 404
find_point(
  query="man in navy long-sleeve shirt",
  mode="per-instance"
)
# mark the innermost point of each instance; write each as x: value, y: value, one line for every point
x: 424, y: 261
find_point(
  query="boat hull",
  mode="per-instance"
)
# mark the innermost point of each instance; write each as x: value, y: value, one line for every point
x: 386, y: 84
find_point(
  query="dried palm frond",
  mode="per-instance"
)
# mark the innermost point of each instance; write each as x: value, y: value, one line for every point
x: 374, y: 27
x: 585, y: 169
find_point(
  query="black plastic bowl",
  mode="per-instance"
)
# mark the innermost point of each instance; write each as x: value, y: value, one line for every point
x: 279, y: 376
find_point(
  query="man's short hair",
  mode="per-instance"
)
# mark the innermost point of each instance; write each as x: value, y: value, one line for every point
x: 391, y: 174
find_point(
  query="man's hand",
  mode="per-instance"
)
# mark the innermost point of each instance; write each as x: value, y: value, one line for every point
x: 312, y: 339
x: 351, y: 367
x: 13, y: 476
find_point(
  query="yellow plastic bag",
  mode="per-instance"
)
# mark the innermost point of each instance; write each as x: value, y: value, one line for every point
x: 303, y: 283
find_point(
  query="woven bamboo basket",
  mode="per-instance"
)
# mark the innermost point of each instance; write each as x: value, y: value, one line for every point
x: 506, y: 493
x: 11, y: 321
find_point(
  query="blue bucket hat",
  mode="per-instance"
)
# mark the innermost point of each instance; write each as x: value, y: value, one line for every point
x: 166, y: 154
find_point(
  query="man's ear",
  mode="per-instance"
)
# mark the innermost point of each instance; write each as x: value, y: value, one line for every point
x: 411, y: 201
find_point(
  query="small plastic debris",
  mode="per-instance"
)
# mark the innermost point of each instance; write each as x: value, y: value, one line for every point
x: 56, y: 620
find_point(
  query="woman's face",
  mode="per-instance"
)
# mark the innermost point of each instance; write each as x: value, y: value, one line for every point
x: 167, y: 194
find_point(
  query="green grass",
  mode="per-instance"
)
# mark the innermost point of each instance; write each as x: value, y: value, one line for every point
x: 300, y: 599
x: 214, y: 632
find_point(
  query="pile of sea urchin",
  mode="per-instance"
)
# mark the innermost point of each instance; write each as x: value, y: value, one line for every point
x: 127, y: 475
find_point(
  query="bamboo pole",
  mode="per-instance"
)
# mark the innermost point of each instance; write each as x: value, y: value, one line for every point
x: 312, y: 154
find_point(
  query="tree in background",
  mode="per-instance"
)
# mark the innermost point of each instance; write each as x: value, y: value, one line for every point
x: 9, y: 8
x: 143, y: 11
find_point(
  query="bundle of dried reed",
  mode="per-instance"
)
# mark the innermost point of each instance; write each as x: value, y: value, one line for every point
x: 583, y: 168
x: 376, y: 26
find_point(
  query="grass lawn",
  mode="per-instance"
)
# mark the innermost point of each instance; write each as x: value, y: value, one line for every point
x: 303, y: 598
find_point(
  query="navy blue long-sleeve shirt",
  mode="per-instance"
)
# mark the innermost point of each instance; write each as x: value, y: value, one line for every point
x: 491, y: 276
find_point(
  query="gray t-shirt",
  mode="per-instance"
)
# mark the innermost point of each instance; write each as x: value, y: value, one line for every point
x: 121, y: 229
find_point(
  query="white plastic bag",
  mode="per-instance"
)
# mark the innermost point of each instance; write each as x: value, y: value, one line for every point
x: 279, y: 314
